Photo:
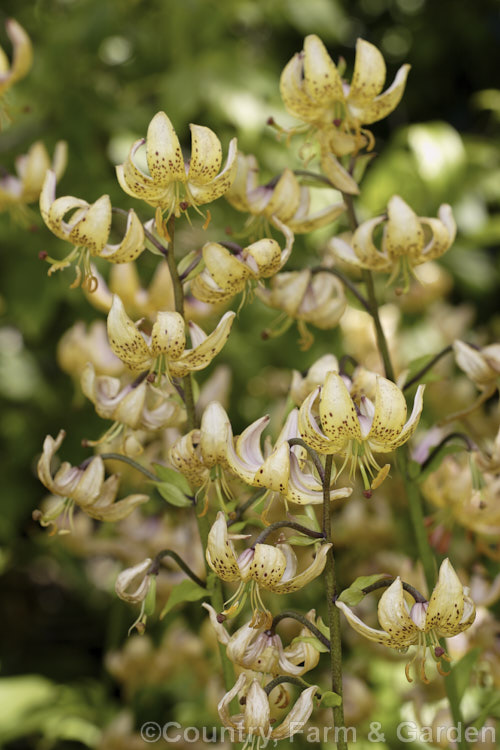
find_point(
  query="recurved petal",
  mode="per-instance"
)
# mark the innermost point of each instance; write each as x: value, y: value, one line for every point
x: 219, y: 185
x: 379, y: 636
x: 245, y: 181
x: 201, y: 356
x: 300, y: 713
x: 113, y: 512
x: 257, y: 711
x: 389, y: 415
x: 248, y: 444
x: 92, y: 231
x: 206, y: 155
x: 220, y: 551
x: 311, y: 431
x: 167, y: 335
x: 443, y: 231
x: 22, y: 57
x: 163, y: 152
x: 302, y: 579
x: 446, y: 605
x: 267, y: 567
x: 473, y: 363
x: 52, y: 210
x: 215, y: 434
x: 275, y: 471
x: 302, y: 221
x: 369, y: 74
x: 339, y: 420
x: 90, y: 484
x: 338, y: 175
x: 389, y: 100
x: 220, y: 630
x: 132, y: 584
x: 124, y: 338
x: 403, y: 234
x: 411, y: 424
x: 50, y: 448
x: 304, y: 488
x: 322, y: 82
x: 285, y: 197
x: 226, y: 269
x: 293, y: 93
x: 223, y: 707
x: 263, y: 257
x: 131, y: 245
x: 394, y: 616
x: 204, y: 288
x: 366, y: 250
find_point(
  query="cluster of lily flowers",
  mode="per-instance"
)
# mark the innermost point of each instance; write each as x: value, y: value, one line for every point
x: 132, y: 369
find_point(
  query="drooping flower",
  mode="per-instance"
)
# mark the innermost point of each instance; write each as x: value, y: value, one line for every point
x: 408, y: 240
x: 332, y: 421
x: 87, y: 229
x: 79, y: 345
x: 307, y: 298
x: 482, y: 366
x: 83, y: 486
x: 18, y: 191
x: 137, y: 585
x: 173, y: 185
x: 313, y: 90
x: 449, y: 611
x: 167, y: 341
x: 255, y: 721
x: 136, y: 405
x: 264, y: 566
x: 283, y: 198
x: 22, y: 58
x: 259, y: 650
x: 278, y: 468
x: 226, y: 273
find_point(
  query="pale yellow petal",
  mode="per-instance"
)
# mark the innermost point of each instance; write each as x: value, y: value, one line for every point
x: 167, y: 335
x: 446, y: 605
x: 384, y: 104
x: 321, y: 77
x: 223, y: 707
x: 163, y: 152
x: 267, y: 567
x: 201, y: 356
x: 339, y: 420
x: 379, y: 636
x: 302, y: 579
x: 369, y: 74
x: 92, y: 231
x: 124, y: 338
x: 220, y: 551
x: 275, y: 471
x: 219, y: 185
x: 257, y: 711
x: 206, y: 155
x: 403, y: 233
x: 131, y: 245
x: 394, y: 616
x: 298, y: 716
x: 338, y: 175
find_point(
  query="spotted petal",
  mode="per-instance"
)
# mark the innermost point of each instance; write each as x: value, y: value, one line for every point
x: 379, y: 636
x: 394, y: 616
x: 339, y: 420
x: 302, y: 579
x: 206, y: 155
x: 446, y: 605
x: 267, y: 567
x: 163, y: 152
x: 322, y: 80
x: 205, y: 193
x: 403, y: 233
x: 384, y: 104
x: 220, y: 553
x: 124, y: 338
x: 201, y: 356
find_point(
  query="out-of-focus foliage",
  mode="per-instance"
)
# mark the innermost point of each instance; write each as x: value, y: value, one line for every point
x: 102, y: 69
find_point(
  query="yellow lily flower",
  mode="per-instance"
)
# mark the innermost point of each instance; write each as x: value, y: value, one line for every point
x: 257, y: 649
x: 227, y: 273
x: 78, y: 346
x: 85, y: 487
x: 144, y: 581
x: 264, y: 566
x: 139, y: 406
x: 354, y: 426
x: 281, y: 469
x: 307, y: 298
x: 313, y: 90
x: 167, y: 341
x: 449, y: 611
x: 408, y: 240
x: 22, y: 58
x: 172, y: 185
x: 482, y: 366
x: 283, y: 198
x: 302, y: 385
x: 255, y: 721
x: 16, y: 192
x: 88, y: 229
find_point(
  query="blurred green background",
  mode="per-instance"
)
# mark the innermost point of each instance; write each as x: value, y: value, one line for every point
x: 102, y: 69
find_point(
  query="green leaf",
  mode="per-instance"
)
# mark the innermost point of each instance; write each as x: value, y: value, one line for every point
x: 462, y: 671
x: 331, y: 699
x: 173, y: 487
x: 185, y: 591
x: 312, y: 641
x: 171, y: 476
x: 354, y: 594
x: 301, y: 540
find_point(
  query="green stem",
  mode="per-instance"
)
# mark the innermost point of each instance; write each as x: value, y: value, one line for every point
x: 286, y: 525
x: 214, y: 584
x: 130, y: 462
x: 333, y: 611
x: 427, y: 367
x: 291, y: 615
x: 156, y: 564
